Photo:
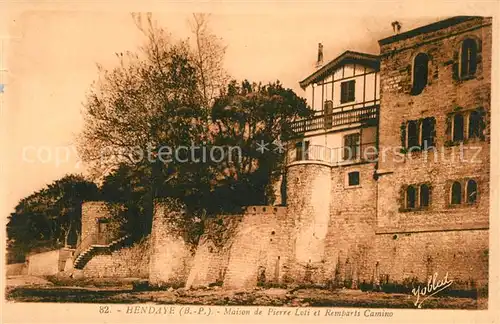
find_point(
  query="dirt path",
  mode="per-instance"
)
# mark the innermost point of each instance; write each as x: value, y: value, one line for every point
x: 40, y: 290
x: 25, y: 280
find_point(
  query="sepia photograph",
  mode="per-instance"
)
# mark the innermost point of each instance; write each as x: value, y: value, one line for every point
x: 333, y: 166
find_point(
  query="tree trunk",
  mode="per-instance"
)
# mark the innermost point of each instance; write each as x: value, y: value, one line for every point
x: 66, y: 235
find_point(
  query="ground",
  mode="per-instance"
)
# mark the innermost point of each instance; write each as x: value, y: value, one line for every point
x: 51, y: 289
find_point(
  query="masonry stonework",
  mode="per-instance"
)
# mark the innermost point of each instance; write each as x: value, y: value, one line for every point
x: 331, y: 231
x: 171, y: 255
x: 308, y: 203
x: 48, y: 263
x: 213, y: 251
x: 129, y: 262
x: 92, y: 211
x: 350, y: 241
x: 414, y: 242
x: 259, y: 248
x: 463, y: 255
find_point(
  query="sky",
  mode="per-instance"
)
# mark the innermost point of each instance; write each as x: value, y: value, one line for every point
x: 51, y: 56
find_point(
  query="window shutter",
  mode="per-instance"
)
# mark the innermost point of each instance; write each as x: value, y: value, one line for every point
x: 479, y: 52
x: 449, y: 120
x: 328, y: 109
x: 427, y: 132
x: 458, y: 127
x: 482, y: 120
x: 413, y: 134
x: 343, y: 87
x: 346, y: 153
x: 455, y: 66
x: 433, y: 132
x: 419, y: 126
x: 403, y: 134
x: 473, y: 60
x: 352, y: 85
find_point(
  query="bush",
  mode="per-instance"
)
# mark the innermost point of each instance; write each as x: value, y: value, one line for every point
x: 218, y: 283
x: 140, y: 285
x: 365, y: 286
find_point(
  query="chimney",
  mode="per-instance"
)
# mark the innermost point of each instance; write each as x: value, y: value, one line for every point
x: 319, y: 62
x: 396, y: 26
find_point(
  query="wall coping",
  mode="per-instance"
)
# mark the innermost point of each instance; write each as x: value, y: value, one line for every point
x: 429, y: 229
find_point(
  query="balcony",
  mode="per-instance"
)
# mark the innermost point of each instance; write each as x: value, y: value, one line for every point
x: 364, y: 152
x: 365, y: 113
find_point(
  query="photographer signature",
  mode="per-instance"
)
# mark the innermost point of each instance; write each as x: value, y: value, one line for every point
x: 433, y: 287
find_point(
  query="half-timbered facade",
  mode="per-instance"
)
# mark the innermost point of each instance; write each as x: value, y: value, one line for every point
x: 344, y: 94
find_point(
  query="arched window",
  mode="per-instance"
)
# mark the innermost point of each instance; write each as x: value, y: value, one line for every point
x: 424, y: 196
x: 420, y: 73
x: 468, y: 58
x: 458, y: 128
x: 471, y: 191
x: 456, y: 193
x: 411, y: 197
x: 475, y: 125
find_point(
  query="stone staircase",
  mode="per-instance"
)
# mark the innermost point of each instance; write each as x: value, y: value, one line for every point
x: 86, y: 252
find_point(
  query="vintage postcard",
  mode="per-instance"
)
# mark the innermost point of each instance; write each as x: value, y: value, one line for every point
x: 220, y: 162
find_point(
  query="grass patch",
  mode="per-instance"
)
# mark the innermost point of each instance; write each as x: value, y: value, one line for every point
x: 88, y: 282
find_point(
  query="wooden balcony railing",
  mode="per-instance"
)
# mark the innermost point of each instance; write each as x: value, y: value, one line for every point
x: 365, y: 113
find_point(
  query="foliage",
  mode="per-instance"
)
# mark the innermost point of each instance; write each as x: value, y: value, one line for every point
x: 50, y: 217
x: 128, y: 187
x: 171, y: 95
x: 149, y: 102
x: 246, y: 116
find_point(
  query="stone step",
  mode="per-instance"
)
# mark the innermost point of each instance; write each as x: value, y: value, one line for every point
x: 87, y: 254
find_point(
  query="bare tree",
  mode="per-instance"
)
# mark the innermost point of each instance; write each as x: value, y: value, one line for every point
x: 149, y: 102
x: 208, y: 56
x: 150, y: 99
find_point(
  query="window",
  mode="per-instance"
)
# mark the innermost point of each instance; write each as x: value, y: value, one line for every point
x: 420, y: 72
x: 412, y: 129
x: 467, y: 125
x: 302, y: 151
x: 347, y: 91
x: 475, y: 125
x: 351, y: 146
x: 353, y: 178
x: 411, y: 197
x: 424, y: 196
x: 102, y: 227
x: 468, y: 58
x: 427, y: 132
x: 328, y: 110
x: 471, y: 191
x: 417, y: 196
x: 456, y: 193
x: 458, y: 128
x: 418, y: 133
